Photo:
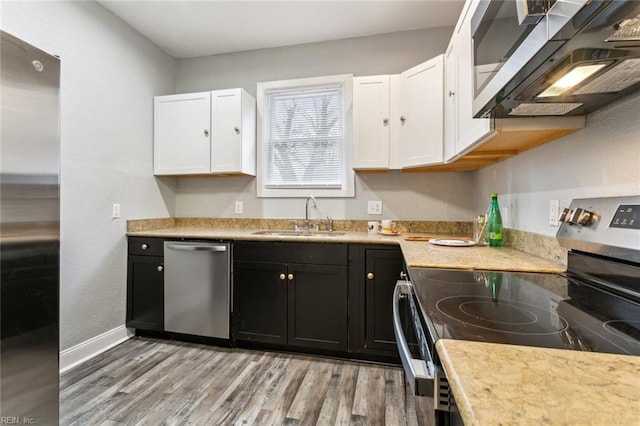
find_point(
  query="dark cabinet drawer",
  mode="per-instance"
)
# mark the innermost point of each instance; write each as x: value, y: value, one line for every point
x: 146, y: 246
x: 309, y: 253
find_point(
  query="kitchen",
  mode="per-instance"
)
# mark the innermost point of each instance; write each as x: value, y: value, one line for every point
x: 107, y: 134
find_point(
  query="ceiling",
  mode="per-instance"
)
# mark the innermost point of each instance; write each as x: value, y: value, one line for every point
x: 187, y: 29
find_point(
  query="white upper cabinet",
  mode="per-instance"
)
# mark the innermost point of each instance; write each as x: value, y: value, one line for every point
x: 462, y: 130
x: 233, y: 132
x: 376, y: 124
x: 182, y: 134
x: 422, y: 114
x: 450, y: 104
x: 205, y: 133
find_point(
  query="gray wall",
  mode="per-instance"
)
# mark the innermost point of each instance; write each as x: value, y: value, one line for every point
x: 110, y: 74
x: 601, y: 160
x: 404, y: 196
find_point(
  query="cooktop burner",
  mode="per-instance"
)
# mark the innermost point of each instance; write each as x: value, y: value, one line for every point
x: 503, y: 315
x: 531, y: 309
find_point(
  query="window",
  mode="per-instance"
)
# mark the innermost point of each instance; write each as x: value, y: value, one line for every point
x: 304, y: 138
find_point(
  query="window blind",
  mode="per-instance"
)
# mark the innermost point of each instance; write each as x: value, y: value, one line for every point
x: 305, y: 138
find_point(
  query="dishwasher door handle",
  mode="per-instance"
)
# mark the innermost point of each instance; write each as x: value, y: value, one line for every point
x: 196, y: 248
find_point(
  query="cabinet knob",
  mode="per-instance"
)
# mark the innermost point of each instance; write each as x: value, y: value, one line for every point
x: 402, y: 119
x: 385, y: 121
x: 144, y: 246
x: 370, y: 276
x: 291, y: 277
x: 237, y: 130
x: 206, y: 132
x: 403, y: 275
x: 451, y: 93
x: 282, y: 277
x: 160, y: 268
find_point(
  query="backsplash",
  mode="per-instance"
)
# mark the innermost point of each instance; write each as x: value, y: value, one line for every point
x: 539, y: 245
x: 424, y: 227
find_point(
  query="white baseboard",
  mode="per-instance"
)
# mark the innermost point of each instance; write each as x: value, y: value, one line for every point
x: 86, y: 350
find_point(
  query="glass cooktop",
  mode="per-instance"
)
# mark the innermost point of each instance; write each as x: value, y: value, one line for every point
x: 531, y: 309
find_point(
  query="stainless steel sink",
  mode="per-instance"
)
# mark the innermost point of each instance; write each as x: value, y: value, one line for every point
x: 299, y: 233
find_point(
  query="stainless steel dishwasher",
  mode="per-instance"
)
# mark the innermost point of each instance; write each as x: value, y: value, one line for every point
x: 197, y: 288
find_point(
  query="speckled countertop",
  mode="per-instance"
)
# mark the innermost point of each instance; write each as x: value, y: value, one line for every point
x: 416, y: 253
x: 496, y: 384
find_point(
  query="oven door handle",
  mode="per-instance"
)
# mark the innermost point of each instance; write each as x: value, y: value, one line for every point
x: 419, y: 373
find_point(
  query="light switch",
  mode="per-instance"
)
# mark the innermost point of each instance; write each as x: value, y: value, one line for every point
x: 115, y: 212
x: 239, y: 207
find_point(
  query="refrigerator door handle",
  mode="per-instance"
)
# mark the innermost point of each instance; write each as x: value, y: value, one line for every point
x: 196, y: 248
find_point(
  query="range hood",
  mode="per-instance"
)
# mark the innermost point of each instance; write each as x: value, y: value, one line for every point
x: 588, y: 62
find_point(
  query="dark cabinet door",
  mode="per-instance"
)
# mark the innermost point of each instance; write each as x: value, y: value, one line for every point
x: 382, y: 270
x: 260, y: 301
x: 317, y: 306
x: 145, y: 292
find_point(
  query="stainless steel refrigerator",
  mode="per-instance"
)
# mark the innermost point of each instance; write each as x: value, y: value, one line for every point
x: 29, y: 233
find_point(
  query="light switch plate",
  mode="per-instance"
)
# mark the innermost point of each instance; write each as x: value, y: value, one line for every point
x: 554, y: 212
x: 115, y: 211
x: 374, y: 207
x: 239, y: 207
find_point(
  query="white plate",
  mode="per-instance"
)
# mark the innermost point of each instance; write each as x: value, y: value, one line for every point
x: 452, y: 243
x: 388, y: 233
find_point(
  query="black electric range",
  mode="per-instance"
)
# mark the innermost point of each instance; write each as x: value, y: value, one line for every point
x: 530, y: 309
x: 594, y: 306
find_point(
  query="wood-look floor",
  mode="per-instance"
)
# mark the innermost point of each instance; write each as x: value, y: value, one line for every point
x: 154, y: 382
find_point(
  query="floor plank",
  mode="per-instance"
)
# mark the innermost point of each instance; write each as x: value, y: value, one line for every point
x: 148, y: 381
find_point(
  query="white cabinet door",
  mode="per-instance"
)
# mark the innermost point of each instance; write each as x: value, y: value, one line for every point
x: 233, y: 132
x: 226, y: 131
x: 450, y: 104
x: 422, y: 118
x: 371, y: 126
x: 181, y: 138
x: 470, y: 130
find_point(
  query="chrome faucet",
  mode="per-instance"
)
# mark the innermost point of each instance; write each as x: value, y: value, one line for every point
x: 305, y: 225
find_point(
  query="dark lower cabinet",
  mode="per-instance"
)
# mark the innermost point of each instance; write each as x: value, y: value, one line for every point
x: 293, y: 294
x: 260, y: 302
x: 373, y: 273
x: 317, y: 306
x: 145, y: 284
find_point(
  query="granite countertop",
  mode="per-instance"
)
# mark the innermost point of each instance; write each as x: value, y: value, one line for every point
x: 508, y: 384
x: 416, y: 253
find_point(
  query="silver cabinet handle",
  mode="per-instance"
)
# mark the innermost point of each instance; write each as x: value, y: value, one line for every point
x: 196, y: 248
x: 370, y: 276
x: 451, y: 93
x: 402, y: 119
x: 160, y: 268
x: 144, y: 246
x: 237, y: 130
x: 283, y: 277
x: 403, y: 275
x: 290, y: 277
x: 385, y: 121
x: 206, y: 132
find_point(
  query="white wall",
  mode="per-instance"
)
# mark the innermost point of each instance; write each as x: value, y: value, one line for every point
x: 109, y: 77
x: 601, y: 160
x: 416, y: 196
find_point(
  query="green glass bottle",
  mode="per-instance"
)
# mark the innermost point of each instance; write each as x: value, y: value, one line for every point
x: 494, y: 224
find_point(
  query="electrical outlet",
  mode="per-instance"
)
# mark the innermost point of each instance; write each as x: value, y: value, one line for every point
x: 554, y: 212
x: 115, y: 211
x: 374, y: 207
x: 239, y: 206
